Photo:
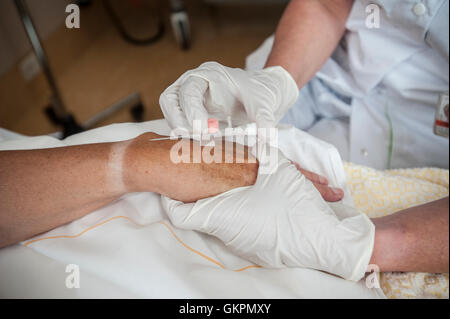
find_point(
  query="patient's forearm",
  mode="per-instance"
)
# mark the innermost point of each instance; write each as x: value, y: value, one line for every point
x: 416, y: 239
x: 42, y: 189
x: 308, y: 33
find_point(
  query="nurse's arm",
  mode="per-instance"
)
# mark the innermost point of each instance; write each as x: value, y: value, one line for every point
x: 307, y: 35
x: 416, y: 239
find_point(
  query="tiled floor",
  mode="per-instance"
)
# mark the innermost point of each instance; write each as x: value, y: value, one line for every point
x: 104, y: 68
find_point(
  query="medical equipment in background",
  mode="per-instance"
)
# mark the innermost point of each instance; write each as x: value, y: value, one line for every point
x: 57, y: 112
x: 179, y: 22
x: 123, y: 30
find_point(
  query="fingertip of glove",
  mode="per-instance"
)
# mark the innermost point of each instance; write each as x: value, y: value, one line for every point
x: 209, y: 64
x: 176, y: 211
x: 168, y: 204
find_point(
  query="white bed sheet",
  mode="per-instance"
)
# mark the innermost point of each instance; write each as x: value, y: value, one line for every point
x: 129, y: 249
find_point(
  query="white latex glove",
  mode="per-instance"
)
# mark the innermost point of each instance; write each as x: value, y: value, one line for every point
x: 282, y: 221
x: 216, y: 91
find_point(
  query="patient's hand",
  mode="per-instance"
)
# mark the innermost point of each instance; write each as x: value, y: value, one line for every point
x: 150, y: 168
x: 187, y: 182
x: 330, y: 194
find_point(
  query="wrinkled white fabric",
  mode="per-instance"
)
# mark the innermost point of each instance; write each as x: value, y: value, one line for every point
x: 282, y: 221
x: 125, y: 250
x: 216, y: 91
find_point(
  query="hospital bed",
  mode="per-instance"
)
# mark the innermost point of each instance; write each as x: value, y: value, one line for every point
x: 129, y: 249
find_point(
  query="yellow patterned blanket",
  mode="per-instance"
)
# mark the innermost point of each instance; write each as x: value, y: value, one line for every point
x: 380, y: 193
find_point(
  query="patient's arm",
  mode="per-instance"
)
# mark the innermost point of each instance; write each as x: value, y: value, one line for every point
x: 416, y: 239
x: 43, y: 189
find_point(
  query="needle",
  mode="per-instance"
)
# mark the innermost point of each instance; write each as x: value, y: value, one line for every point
x: 165, y: 138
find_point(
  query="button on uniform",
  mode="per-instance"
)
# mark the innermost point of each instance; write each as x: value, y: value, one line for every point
x: 420, y: 9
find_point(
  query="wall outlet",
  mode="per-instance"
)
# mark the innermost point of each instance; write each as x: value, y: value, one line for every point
x: 30, y: 67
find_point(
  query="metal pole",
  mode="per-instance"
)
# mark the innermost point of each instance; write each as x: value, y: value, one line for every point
x: 57, y: 103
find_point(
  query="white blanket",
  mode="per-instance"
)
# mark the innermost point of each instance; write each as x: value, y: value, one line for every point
x: 130, y: 249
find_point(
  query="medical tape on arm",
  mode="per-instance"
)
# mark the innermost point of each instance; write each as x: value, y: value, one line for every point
x: 115, y: 167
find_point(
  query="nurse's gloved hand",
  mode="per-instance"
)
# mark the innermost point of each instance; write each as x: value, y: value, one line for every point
x: 216, y: 91
x: 282, y: 221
